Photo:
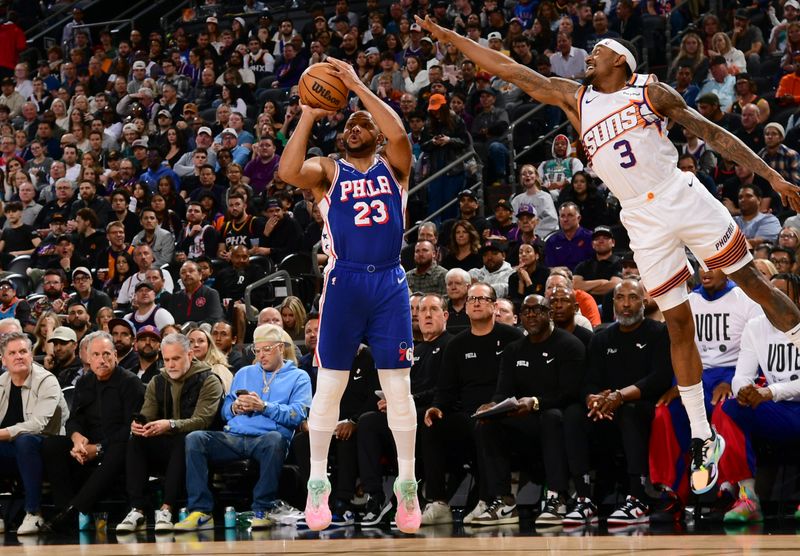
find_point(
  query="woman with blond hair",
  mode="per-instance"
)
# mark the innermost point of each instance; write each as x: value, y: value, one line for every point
x: 691, y: 50
x: 722, y: 46
x: 204, y: 350
x: 48, y: 321
x: 294, y: 317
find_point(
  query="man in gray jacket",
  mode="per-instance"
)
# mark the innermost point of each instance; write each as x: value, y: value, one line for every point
x: 160, y: 240
x: 31, y: 407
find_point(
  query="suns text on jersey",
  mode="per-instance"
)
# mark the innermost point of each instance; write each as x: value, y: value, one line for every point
x: 612, y: 127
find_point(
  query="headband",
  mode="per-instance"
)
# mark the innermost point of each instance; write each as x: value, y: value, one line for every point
x: 620, y: 49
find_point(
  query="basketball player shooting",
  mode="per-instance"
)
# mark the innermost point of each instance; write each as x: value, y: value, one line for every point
x: 362, y: 199
x: 622, y: 118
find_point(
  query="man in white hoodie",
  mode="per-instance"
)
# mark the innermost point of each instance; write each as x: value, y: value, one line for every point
x: 495, y: 270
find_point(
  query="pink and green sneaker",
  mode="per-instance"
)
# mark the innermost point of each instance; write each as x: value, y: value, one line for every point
x: 409, y: 515
x: 318, y: 513
x: 745, y: 510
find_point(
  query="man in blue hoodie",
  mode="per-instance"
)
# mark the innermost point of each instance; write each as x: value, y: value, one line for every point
x: 260, y: 426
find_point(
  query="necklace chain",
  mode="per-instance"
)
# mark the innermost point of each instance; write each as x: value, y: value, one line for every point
x: 267, y: 383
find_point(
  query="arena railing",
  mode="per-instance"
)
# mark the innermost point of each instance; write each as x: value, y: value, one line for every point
x: 251, y: 312
x: 58, y: 25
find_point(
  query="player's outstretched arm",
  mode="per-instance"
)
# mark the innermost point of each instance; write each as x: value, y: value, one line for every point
x: 666, y: 101
x: 548, y: 90
x: 294, y: 169
x: 398, y: 147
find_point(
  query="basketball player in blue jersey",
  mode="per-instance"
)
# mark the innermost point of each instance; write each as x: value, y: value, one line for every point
x: 623, y: 117
x: 362, y: 199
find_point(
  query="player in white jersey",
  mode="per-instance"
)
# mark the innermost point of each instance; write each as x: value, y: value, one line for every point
x: 663, y: 209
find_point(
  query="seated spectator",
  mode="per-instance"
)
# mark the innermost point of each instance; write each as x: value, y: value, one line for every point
x: 260, y: 425
x: 757, y: 226
x: 148, y: 342
x: 495, y: 270
x: 13, y: 307
x: 502, y: 226
x: 566, y: 313
x: 568, y: 61
x: 463, y: 247
x: 197, y: 238
x: 92, y: 298
x: 182, y: 398
x: 426, y: 276
x: 55, y: 298
x: 543, y: 371
x: 97, y: 433
x: 123, y: 333
x: 684, y: 83
x: 261, y: 170
x: 161, y: 242
x: 505, y: 312
x: 752, y: 132
x: 147, y: 312
x: 556, y: 173
x: 572, y: 244
x: 748, y: 39
x: 26, y: 418
x: 468, y: 211
x: 770, y: 411
x: 196, y: 302
x: 88, y: 198
x: 541, y: 201
x: 228, y: 343
x: 204, y: 350
x: 281, y: 235
x: 746, y: 93
x: 722, y: 47
x: 708, y: 104
x: 458, y: 282
x: 777, y: 155
x: 18, y: 238
x: 600, y: 274
x: 629, y: 370
x: 561, y: 277
x: 78, y: 318
x: 582, y: 191
x: 530, y: 276
x: 143, y: 257
x: 239, y: 228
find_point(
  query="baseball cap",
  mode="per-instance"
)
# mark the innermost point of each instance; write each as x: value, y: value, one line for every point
x: 602, y: 231
x: 372, y: 50
x: 272, y: 202
x: 7, y: 81
x: 230, y: 131
x: 530, y: 210
x: 493, y: 245
x: 212, y: 19
x: 139, y: 65
x: 467, y: 193
x: 504, y: 203
x: 149, y: 330
x: 515, y: 20
x: 436, y: 101
x: 204, y: 129
x: 489, y: 91
x: 415, y: 27
x: 8, y: 282
x: 742, y: 13
x: 627, y: 258
x: 63, y: 334
x: 494, y: 35
x: 708, y: 98
x: 791, y: 3
x: 426, y: 39
x: 294, y: 99
x: 144, y: 284
x: 113, y: 155
x: 121, y: 322
x: 128, y: 127
x: 190, y: 107
x: 166, y: 113
x: 58, y: 217
x: 81, y: 270
x: 268, y: 333
x: 139, y: 143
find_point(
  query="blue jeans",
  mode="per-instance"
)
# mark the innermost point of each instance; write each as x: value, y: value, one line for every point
x: 24, y: 454
x: 204, y: 447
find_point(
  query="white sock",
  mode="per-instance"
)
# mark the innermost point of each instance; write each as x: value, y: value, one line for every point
x: 694, y: 403
x: 323, y: 417
x: 794, y: 335
x: 401, y: 413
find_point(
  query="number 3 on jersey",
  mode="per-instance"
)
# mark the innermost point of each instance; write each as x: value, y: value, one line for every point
x: 365, y: 216
x: 626, y: 153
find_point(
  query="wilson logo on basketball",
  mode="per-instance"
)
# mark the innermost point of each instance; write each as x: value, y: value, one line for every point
x: 317, y: 87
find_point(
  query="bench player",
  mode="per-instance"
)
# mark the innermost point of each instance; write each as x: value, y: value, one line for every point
x: 622, y: 117
x: 362, y: 199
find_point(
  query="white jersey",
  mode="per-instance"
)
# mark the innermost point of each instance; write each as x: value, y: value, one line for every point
x: 626, y: 139
x: 765, y: 346
x: 719, y: 324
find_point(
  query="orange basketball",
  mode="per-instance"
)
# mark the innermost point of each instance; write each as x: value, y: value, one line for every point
x: 320, y: 88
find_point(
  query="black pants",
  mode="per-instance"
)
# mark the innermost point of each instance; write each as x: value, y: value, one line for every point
x: 630, y: 427
x: 145, y: 456
x: 450, y: 442
x: 499, y: 439
x: 346, y: 469
x: 79, y: 485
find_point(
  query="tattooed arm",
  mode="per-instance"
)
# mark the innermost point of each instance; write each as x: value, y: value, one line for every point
x: 547, y: 90
x: 667, y: 102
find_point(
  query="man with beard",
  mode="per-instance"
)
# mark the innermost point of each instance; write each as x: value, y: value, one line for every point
x: 195, y: 302
x: 88, y: 239
x: 123, y: 332
x: 88, y: 198
x: 78, y: 318
x: 600, y: 274
x: 66, y: 364
x: 120, y: 205
x: 161, y: 241
x: 564, y: 308
x: 62, y: 204
x: 281, y: 234
x: 55, y: 298
x: 13, y: 307
x: 106, y: 258
x: 147, y: 313
x: 543, y: 371
x: 495, y: 270
x: 239, y: 228
x: 92, y: 299
x: 629, y: 369
x: 197, y: 238
x: 148, y: 346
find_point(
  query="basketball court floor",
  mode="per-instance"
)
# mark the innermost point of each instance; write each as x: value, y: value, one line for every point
x: 776, y: 536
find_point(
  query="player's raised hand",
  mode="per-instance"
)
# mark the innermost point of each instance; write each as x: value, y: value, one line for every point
x: 315, y: 113
x: 436, y: 31
x: 345, y: 72
x: 790, y: 194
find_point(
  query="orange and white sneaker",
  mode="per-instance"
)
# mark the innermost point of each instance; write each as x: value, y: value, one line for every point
x: 409, y: 515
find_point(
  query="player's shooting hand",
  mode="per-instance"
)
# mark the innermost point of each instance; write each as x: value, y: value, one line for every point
x: 437, y: 32
x: 790, y: 194
x: 345, y: 72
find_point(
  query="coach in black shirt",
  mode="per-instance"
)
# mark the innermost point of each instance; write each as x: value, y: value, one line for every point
x: 600, y: 274
x: 196, y: 302
x: 468, y: 377
x: 564, y: 307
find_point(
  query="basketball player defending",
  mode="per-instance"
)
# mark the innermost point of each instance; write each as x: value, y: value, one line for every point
x: 622, y: 118
x: 362, y: 199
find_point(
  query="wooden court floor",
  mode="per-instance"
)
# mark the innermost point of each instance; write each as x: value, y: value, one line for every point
x: 505, y: 546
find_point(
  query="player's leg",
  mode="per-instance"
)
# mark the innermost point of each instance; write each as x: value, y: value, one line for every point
x: 781, y: 312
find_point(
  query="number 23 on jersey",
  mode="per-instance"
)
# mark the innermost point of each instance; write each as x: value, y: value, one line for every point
x: 369, y: 213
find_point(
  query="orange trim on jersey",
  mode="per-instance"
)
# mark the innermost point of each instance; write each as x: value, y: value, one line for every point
x: 678, y: 279
x: 581, y: 93
x: 730, y: 254
x: 633, y: 78
x: 650, y: 104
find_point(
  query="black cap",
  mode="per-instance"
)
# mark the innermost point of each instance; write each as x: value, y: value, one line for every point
x: 742, y: 13
x: 294, y: 99
x: 272, y: 202
x: 504, y: 203
x: 7, y: 81
x: 493, y: 245
x: 627, y: 258
x: 141, y: 285
x: 113, y: 155
x: 489, y: 91
x: 602, y: 231
x: 124, y: 322
x: 467, y: 193
x: 63, y: 237
x: 8, y: 282
x: 58, y: 216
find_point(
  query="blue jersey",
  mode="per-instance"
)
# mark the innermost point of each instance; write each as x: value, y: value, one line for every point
x: 364, y: 215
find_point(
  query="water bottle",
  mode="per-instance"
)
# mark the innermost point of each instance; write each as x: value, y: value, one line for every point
x: 230, y: 517
x: 183, y: 514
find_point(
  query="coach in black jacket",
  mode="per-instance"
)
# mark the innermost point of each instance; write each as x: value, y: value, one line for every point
x: 196, y: 302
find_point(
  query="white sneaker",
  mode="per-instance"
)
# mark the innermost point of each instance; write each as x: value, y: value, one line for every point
x: 134, y: 521
x: 437, y: 513
x: 478, y: 510
x: 163, y: 520
x: 284, y: 514
x: 31, y: 525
